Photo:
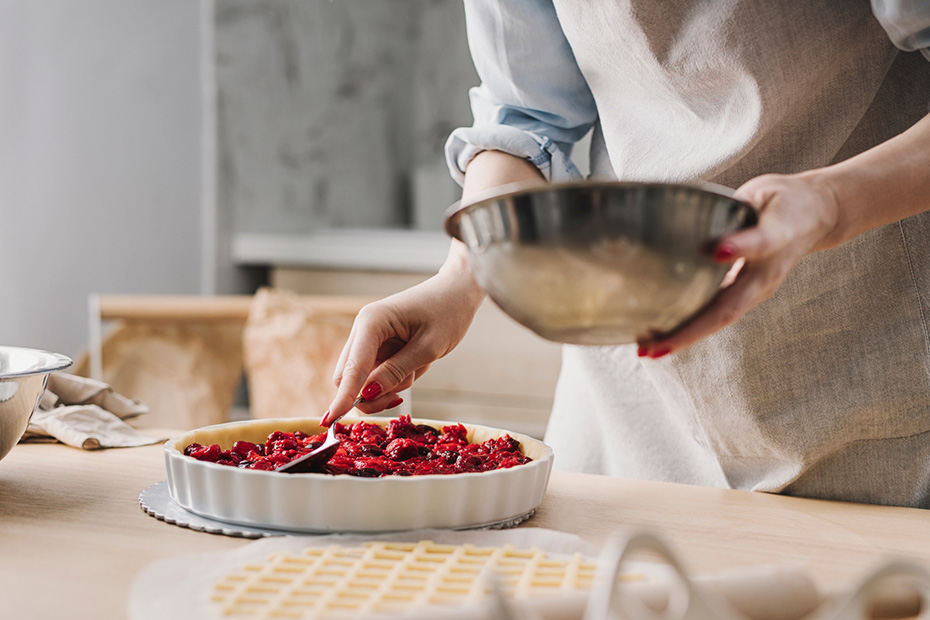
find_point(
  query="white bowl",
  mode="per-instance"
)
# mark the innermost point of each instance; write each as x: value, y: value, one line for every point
x: 317, y: 503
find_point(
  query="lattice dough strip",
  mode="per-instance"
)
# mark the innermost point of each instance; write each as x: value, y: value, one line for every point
x: 345, y: 582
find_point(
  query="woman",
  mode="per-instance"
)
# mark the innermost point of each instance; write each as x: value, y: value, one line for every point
x: 810, y: 374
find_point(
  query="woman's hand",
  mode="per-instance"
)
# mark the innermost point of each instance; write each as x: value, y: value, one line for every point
x: 394, y: 341
x: 797, y: 215
x: 805, y: 212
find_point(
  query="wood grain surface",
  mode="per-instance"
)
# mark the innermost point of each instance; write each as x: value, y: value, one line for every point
x: 73, y: 537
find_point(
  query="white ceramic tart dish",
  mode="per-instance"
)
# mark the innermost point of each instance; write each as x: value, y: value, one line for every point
x: 323, y: 503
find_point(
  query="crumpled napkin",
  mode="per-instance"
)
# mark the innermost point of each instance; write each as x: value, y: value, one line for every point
x: 86, y: 413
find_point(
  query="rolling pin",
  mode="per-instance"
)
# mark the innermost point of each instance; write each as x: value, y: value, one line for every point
x: 786, y: 594
x: 764, y: 593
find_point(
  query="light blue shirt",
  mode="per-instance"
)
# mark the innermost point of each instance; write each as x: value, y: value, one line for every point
x: 533, y: 101
x: 907, y: 23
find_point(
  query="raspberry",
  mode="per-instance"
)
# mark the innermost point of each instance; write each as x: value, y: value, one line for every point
x: 371, y: 450
x: 243, y: 448
x: 209, y: 453
x: 401, y: 450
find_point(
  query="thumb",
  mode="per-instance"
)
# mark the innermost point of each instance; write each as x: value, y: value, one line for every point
x: 398, y: 372
x: 749, y: 243
x: 394, y: 374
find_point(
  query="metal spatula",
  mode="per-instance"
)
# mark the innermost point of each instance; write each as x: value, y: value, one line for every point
x: 323, y: 453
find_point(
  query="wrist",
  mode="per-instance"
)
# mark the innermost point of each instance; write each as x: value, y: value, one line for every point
x: 826, y: 184
x: 884, y: 184
x: 457, y: 270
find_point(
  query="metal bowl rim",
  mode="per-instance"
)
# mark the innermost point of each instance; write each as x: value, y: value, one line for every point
x: 54, y: 362
x: 523, y: 188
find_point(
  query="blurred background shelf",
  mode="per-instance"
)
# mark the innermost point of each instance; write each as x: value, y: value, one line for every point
x: 405, y: 251
x: 190, y: 357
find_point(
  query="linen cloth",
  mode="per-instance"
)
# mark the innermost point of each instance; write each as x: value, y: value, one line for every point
x: 86, y: 413
x: 823, y: 390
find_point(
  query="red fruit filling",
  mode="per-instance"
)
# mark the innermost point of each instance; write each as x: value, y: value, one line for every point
x: 372, y: 451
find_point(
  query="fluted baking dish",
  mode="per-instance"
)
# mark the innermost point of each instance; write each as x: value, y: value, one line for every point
x: 317, y: 503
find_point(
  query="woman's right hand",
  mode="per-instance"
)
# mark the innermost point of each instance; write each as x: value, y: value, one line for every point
x: 393, y: 341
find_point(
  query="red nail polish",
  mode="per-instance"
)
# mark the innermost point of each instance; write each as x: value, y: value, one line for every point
x: 395, y: 403
x: 660, y: 353
x: 323, y: 420
x: 724, y: 252
x: 371, y: 391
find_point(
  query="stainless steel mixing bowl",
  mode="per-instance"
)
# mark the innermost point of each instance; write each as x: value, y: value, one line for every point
x: 599, y: 262
x: 23, y: 377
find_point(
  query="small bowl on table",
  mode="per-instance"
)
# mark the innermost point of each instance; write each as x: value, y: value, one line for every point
x: 23, y: 376
x: 599, y: 263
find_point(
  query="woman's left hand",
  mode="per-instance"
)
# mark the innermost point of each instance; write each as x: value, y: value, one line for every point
x: 797, y: 215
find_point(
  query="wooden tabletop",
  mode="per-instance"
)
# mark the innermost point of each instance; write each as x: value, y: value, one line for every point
x: 73, y: 537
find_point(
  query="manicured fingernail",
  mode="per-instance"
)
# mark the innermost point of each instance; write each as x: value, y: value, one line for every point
x: 725, y: 252
x: 660, y: 353
x: 371, y: 391
x: 395, y: 403
x: 642, y: 351
x: 323, y: 420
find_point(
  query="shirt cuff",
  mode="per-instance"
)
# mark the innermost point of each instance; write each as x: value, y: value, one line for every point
x: 907, y: 23
x: 466, y: 142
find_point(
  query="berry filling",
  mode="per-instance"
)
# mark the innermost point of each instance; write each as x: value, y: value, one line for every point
x: 402, y: 448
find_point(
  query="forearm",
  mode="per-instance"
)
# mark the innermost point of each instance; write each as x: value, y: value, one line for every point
x: 882, y: 185
x: 489, y: 169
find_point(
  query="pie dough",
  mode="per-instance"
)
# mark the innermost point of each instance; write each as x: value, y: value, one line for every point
x: 392, y: 578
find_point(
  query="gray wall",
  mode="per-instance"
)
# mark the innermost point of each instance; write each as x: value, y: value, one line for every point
x: 100, y: 180
x: 333, y: 114
x: 138, y: 136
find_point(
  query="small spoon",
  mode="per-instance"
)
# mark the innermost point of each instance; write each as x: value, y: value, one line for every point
x: 320, y: 455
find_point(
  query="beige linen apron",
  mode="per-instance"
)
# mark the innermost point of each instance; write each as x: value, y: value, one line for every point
x: 823, y: 390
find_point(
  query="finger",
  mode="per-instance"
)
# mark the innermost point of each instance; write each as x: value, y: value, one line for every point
x: 753, y: 244
x: 343, y: 356
x: 732, y: 273
x: 728, y: 306
x: 421, y: 371
x: 737, y: 244
x: 389, y: 348
x: 381, y: 402
x: 377, y: 400
x: 388, y: 400
x: 732, y: 247
x: 402, y: 368
x: 358, y: 364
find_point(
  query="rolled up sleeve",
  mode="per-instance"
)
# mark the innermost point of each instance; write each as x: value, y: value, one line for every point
x: 533, y: 101
x: 907, y: 23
